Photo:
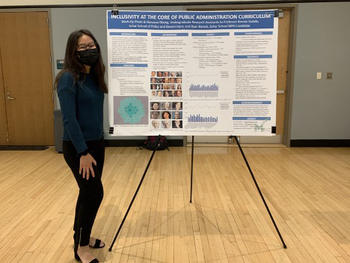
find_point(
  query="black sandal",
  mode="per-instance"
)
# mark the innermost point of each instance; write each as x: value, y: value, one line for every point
x: 97, y: 244
x: 76, y: 245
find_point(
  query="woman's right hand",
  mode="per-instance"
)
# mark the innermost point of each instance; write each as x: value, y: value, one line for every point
x: 86, y: 162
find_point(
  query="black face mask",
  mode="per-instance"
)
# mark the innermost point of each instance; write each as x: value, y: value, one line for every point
x: 88, y: 57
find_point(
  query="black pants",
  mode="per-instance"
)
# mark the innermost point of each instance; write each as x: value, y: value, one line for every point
x: 90, y: 191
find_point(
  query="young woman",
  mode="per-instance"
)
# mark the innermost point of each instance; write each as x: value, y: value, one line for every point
x: 81, y: 87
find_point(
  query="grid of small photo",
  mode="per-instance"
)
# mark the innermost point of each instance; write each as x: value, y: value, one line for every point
x: 166, y: 114
x: 166, y: 83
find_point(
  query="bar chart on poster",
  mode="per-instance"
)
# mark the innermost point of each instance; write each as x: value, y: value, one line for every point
x: 192, y: 73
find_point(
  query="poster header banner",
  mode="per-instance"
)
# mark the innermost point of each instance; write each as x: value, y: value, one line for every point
x: 191, y: 20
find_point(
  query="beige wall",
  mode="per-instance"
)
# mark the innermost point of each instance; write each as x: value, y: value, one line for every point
x: 99, y: 2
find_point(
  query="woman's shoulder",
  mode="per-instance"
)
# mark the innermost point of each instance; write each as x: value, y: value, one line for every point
x: 65, y: 80
x: 66, y: 75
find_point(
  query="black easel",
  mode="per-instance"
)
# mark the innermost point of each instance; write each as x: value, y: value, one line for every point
x: 261, y: 195
x: 192, y: 169
x: 133, y: 199
x: 255, y: 182
x: 191, y: 186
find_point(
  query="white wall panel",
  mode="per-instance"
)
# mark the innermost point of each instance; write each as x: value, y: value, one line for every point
x: 20, y: 3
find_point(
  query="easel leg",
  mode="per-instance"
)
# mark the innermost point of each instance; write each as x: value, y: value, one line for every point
x: 132, y: 201
x: 261, y: 195
x: 192, y: 169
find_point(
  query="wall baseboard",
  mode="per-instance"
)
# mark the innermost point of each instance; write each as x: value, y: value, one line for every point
x: 320, y: 143
x: 138, y: 143
x: 23, y: 147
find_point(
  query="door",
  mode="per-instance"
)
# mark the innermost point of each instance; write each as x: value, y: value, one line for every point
x: 26, y: 85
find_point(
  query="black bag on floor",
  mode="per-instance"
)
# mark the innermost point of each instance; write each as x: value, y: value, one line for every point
x: 156, y: 142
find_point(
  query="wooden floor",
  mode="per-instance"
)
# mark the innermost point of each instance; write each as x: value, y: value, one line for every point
x: 307, y: 190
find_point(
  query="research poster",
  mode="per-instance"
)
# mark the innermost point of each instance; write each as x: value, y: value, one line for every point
x: 192, y: 73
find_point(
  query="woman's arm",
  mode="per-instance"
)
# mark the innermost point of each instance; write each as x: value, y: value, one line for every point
x: 67, y: 96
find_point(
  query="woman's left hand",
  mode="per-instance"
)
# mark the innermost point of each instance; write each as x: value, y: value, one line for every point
x: 86, y: 162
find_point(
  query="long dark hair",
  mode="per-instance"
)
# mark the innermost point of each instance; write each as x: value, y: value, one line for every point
x: 73, y: 65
